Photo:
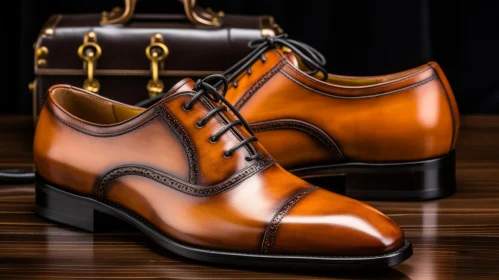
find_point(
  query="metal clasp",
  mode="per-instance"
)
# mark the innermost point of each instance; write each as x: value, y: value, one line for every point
x: 41, y: 56
x: 156, y: 52
x: 90, y: 52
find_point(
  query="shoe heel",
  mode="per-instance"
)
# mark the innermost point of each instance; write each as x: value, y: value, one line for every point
x: 424, y: 180
x: 59, y: 206
x: 421, y: 180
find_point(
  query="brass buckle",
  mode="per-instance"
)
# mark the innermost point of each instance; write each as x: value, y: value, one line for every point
x: 156, y: 52
x: 90, y: 52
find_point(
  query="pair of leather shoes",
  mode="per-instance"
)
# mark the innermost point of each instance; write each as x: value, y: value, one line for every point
x: 191, y: 173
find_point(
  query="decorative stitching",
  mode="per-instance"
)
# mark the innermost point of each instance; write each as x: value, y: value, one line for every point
x: 301, y: 126
x: 420, y: 83
x: 271, y: 230
x: 177, y: 184
x: 182, y: 136
x: 258, y: 84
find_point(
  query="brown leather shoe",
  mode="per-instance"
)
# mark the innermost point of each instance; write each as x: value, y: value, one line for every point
x: 393, y: 136
x: 189, y: 175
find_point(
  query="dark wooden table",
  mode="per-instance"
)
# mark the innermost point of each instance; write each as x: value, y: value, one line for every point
x: 454, y: 238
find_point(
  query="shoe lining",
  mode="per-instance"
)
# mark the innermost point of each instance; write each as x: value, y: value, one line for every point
x: 353, y: 81
x: 93, y: 108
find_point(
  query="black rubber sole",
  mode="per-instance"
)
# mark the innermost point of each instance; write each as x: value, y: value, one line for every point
x: 421, y: 180
x: 89, y: 214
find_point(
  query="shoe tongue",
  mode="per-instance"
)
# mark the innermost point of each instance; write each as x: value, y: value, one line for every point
x: 291, y: 56
x: 184, y: 85
x: 298, y: 63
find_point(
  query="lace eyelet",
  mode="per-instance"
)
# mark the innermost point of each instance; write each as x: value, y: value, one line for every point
x: 255, y: 157
x: 226, y: 155
x: 213, y: 141
x: 199, y: 125
x: 184, y: 107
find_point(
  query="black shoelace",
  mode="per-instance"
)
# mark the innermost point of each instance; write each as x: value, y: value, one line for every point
x: 204, y: 88
x: 310, y: 57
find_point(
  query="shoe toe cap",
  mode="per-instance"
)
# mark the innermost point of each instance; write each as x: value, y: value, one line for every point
x: 324, y: 223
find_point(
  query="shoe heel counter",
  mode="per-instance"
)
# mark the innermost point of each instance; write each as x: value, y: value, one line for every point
x: 54, y: 160
x: 41, y: 142
x: 454, y: 110
x: 47, y: 139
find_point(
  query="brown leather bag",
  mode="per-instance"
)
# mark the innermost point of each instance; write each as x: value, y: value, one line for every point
x: 130, y: 57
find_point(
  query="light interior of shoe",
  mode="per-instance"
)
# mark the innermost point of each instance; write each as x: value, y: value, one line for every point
x: 369, y: 80
x: 93, y: 108
x: 353, y: 80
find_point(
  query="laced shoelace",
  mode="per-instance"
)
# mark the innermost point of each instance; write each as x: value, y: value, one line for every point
x: 204, y: 88
x: 310, y: 57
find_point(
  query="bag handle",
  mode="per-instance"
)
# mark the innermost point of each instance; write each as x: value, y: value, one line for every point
x: 197, y: 15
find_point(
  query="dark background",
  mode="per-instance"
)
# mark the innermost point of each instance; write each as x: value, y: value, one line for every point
x: 357, y: 38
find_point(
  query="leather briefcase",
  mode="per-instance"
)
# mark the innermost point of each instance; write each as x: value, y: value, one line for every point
x: 130, y: 57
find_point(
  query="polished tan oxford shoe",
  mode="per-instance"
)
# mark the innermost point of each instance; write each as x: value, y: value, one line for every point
x: 393, y: 136
x: 188, y: 173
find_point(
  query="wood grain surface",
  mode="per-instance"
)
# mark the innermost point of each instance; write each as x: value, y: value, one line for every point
x: 453, y: 238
